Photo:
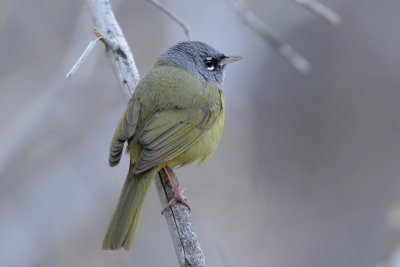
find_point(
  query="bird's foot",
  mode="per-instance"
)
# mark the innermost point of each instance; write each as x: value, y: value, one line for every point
x: 178, y: 198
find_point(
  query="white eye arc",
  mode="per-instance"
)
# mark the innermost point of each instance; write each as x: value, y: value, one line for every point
x: 209, y: 63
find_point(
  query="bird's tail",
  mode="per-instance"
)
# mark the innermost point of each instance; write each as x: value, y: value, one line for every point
x: 125, y: 220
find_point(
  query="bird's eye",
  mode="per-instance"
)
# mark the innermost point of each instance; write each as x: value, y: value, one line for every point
x: 209, y: 63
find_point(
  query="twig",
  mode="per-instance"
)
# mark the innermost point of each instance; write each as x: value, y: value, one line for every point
x: 82, y: 58
x: 87, y: 51
x: 262, y: 29
x: 172, y: 16
x: 124, y: 67
x: 321, y: 10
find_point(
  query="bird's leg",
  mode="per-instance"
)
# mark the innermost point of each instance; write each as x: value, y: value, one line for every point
x: 178, y: 197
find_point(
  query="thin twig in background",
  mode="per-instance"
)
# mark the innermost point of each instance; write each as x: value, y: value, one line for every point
x: 173, y: 17
x: 262, y: 29
x: 185, y: 242
x: 321, y: 10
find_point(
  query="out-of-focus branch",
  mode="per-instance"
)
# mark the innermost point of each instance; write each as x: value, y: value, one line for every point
x: 32, y: 123
x: 262, y: 29
x: 392, y: 250
x: 186, y: 245
x: 321, y: 10
x: 173, y: 17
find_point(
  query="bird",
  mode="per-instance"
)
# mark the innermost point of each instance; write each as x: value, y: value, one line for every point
x: 174, y: 117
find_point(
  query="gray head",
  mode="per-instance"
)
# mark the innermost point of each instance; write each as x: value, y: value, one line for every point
x: 200, y: 59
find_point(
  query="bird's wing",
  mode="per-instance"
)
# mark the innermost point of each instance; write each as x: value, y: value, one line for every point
x: 125, y: 129
x: 169, y: 133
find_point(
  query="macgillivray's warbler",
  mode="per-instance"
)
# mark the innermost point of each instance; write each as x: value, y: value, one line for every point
x: 175, y: 117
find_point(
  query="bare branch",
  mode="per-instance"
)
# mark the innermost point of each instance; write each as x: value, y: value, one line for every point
x: 321, y: 10
x: 262, y: 29
x: 117, y: 49
x: 172, y: 16
x: 186, y: 245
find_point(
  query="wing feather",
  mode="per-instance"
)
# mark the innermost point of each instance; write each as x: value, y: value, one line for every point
x: 125, y: 130
x: 170, y: 133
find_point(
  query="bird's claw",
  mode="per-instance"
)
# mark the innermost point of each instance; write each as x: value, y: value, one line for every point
x: 178, y: 198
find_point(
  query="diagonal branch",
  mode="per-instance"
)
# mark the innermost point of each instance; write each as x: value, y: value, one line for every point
x: 173, y: 17
x: 186, y: 245
x: 262, y: 29
x: 321, y: 10
x: 117, y: 49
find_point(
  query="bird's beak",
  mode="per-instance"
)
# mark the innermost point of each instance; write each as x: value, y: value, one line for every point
x: 229, y: 59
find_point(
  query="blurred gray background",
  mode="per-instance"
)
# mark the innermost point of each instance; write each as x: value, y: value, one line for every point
x: 307, y: 171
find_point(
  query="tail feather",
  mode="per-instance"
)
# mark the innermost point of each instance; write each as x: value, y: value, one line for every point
x: 125, y: 220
